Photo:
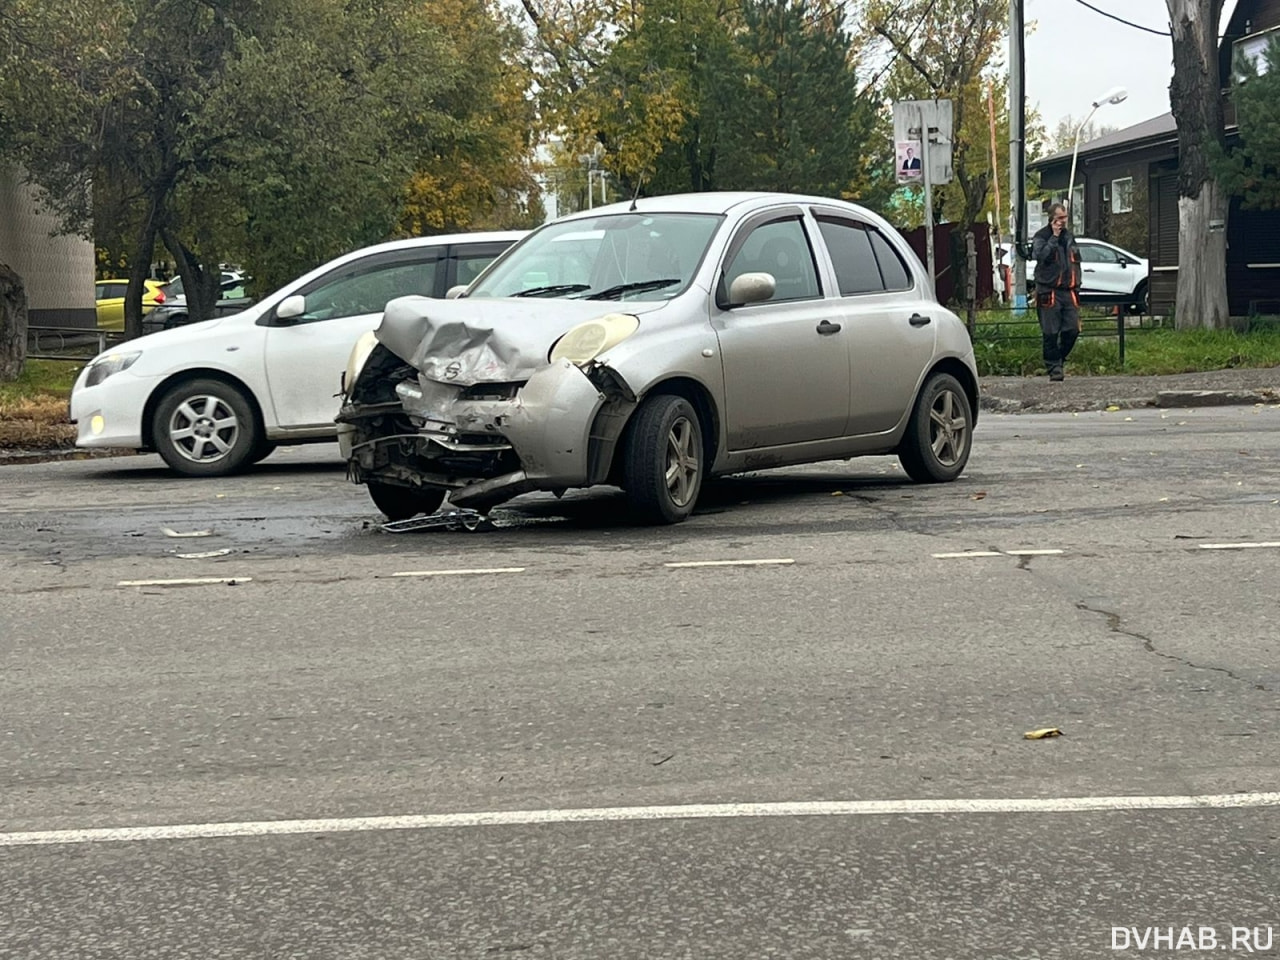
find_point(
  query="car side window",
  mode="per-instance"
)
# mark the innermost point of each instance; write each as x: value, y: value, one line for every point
x: 469, y: 267
x: 780, y: 248
x: 849, y: 244
x: 363, y: 288
x: 1089, y: 253
x: 895, y: 272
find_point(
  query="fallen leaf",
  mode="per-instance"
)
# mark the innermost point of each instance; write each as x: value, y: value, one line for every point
x: 204, y: 556
x: 1128, y: 419
x: 838, y: 493
x: 1112, y: 408
x: 1044, y: 734
x: 980, y: 495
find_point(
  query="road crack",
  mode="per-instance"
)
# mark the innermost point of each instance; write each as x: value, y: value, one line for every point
x: 1115, y: 625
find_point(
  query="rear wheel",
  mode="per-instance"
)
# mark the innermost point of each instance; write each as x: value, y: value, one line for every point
x: 664, y: 460
x: 940, y: 432
x: 401, y: 503
x: 205, y: 428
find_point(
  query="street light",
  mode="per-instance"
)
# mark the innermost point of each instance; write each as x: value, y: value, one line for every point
x: 1114, y: 95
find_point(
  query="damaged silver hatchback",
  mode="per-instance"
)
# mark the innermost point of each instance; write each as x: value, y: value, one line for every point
x: 654, y: 344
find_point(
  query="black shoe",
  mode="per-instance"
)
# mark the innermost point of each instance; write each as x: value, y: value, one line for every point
x: 1057, y: 376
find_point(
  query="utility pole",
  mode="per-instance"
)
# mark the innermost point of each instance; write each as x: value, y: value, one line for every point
x: 1018, y: 151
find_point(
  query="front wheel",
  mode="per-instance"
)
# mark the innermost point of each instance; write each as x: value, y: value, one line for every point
x: 939, y: 433
x: 402, y: 503
x: 663, y: 469
x: 205, y: 428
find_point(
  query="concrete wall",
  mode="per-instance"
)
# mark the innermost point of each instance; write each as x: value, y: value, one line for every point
x: 57, y: 270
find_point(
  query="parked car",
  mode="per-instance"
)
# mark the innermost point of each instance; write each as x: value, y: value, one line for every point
x: 232, y: 298
x: 655, y: 344
x: 109, y: 300
x: 1107, y: 271
x: 215, y: 396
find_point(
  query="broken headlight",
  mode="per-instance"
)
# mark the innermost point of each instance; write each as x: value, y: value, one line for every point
x: 588, y: 340
x: 359, y: 355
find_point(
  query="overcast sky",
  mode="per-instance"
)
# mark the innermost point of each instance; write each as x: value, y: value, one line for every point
x: 1075, y: 55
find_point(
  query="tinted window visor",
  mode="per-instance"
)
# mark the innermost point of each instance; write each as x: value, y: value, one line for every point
x: 621, y: 256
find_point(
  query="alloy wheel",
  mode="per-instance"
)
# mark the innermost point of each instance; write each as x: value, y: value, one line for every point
x: 948, y: 428
x: 683, y: 463
x: 204, y: 428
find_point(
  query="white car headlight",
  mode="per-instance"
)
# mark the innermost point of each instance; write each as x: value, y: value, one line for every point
x: 105, y: 366
x: 588, y: 340
x: 359, y: 355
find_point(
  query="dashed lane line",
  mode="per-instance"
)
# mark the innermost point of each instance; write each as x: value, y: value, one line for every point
x: 709, y: 811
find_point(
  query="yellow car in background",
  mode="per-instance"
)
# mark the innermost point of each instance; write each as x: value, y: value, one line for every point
x: 109, y: 296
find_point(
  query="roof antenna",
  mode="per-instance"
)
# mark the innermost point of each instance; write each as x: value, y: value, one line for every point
x: 636, y: 196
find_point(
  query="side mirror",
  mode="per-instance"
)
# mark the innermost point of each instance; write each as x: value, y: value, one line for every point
x: 291, y: 307
x: 752, y: 288
x: 456, y: 291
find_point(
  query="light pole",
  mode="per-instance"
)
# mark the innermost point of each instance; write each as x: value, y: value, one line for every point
x: 1114, y: 95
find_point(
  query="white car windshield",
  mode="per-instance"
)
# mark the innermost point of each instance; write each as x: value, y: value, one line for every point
x: 620, y: 256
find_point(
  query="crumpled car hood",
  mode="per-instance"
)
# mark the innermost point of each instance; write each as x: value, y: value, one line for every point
x: 475, y: 341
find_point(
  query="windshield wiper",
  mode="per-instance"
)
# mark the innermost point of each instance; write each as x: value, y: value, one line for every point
x: 552, y: 289
x: 636, y: 286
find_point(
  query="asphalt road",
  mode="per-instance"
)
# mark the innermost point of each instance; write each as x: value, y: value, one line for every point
x: 487, y: 763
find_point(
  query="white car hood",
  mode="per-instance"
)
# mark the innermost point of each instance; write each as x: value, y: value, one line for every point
x: 473, y: 341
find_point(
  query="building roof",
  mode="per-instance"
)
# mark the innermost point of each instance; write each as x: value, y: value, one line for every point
x: 1156, y: 129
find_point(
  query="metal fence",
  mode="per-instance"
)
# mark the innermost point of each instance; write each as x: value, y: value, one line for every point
x: 76, y: 344
x: 1101, y: 315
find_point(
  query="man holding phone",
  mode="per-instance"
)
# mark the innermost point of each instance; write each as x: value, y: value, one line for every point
x: 1057, y: 289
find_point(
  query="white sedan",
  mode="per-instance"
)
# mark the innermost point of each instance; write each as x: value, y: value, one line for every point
x: 213, y: 397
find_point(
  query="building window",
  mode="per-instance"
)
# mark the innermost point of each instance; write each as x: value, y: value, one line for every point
x: 1122, y: 195
x: 1254, y: 48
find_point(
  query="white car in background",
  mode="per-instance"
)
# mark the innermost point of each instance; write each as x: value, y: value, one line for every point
x: 216, y: 396
x: 1108, y: 270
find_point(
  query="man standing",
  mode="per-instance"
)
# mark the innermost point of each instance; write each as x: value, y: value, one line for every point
x: 1057, y: 281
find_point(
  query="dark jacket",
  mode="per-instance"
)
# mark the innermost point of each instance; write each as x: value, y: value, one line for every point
x: 1057, y: 260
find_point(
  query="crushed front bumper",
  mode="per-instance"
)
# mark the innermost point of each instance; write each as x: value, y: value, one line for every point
x: 490, y: 442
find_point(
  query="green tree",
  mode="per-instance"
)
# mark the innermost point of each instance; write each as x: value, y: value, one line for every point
x: 1252, y: 169
x: 274, y: 132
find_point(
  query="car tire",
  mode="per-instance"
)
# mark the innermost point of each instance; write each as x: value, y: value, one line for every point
x: 663, y: 466
x: 940, y: 432
x: 402, y: 503
x: 1142, y: 298
x: 205, y: 428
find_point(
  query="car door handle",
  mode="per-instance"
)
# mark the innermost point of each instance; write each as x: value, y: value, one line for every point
x: 1090, y: 270
x: 918, y: 321
x: 826, y: 328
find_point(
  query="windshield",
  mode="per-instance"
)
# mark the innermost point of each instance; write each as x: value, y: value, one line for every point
x: 621, y: 256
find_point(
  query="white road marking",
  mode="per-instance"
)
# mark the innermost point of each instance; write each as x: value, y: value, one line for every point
x: 182, y: 582
x: 1238, y: 546
x: 966, y: 556
x: 730, y: 563
x: 709, y: 811
x: 458, y: 573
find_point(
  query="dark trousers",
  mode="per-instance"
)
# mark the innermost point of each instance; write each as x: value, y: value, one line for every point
x: 1059, y: 325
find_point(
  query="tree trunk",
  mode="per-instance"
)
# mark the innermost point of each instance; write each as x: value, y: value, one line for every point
x: 13, y: 324
x: 202, y: 283
x: 1196, y: 99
